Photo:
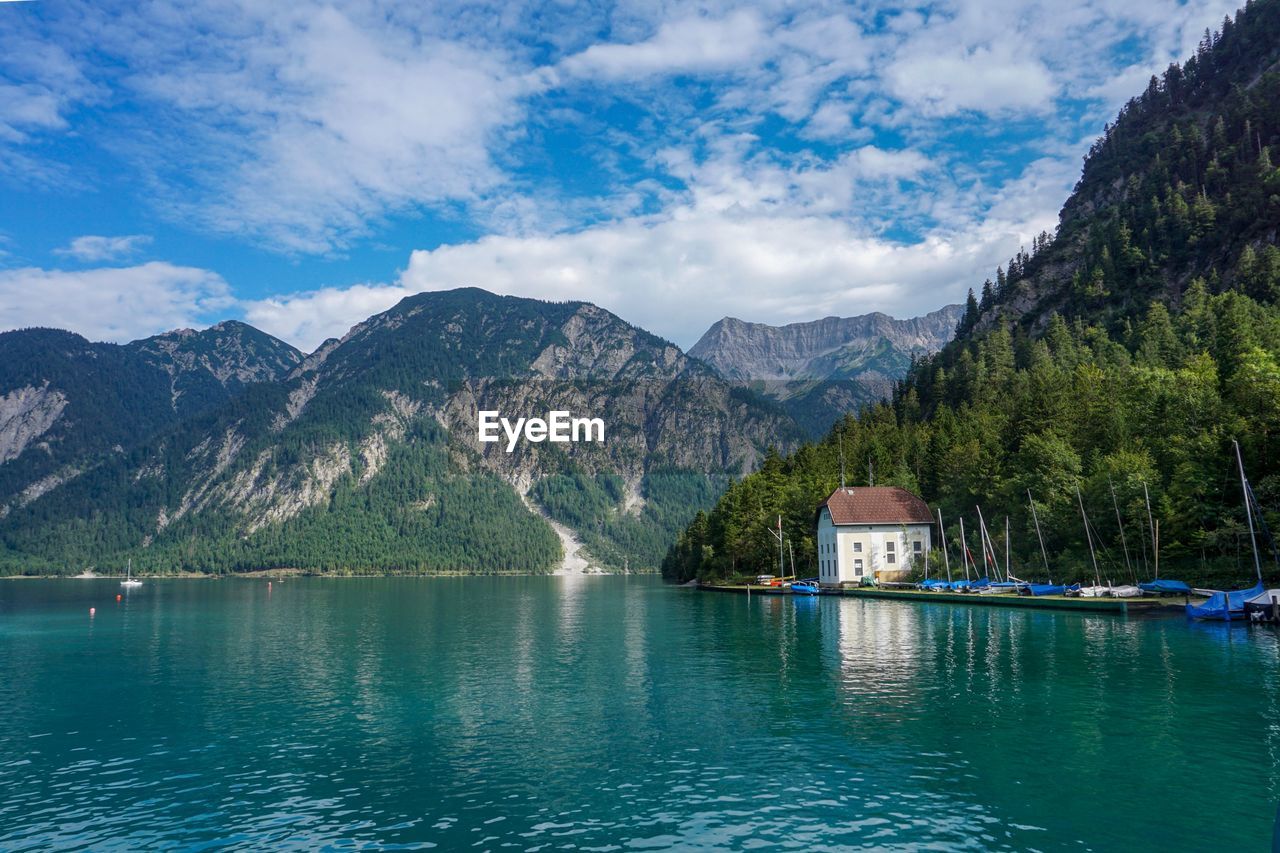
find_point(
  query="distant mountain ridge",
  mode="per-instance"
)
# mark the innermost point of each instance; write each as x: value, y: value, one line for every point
x: 64, y: 400
x: 823, y: 368
x: 226, y: 449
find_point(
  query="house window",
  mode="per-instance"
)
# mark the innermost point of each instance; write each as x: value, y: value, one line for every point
x: 917, y: 545
x: 857, y: 547
x: 889, y: 558
x: 857, y: 568
x: 889, y: 545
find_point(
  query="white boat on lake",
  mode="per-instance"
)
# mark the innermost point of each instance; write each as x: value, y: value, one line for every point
x: 130, y: 581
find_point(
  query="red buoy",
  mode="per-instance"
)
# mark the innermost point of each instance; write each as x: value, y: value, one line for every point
x: 119, y: 596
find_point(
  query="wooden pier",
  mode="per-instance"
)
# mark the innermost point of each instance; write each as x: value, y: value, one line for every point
x: 1118, y: 606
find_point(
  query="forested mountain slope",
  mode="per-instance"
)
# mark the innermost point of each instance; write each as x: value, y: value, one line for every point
x: 1128, y: 349
x: 366, y: 457
x: 64, y: 400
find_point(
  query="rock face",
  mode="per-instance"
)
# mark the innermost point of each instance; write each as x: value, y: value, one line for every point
x: 225, y: 358
x: 833, y: 347
x: 823, y: 368
x: 366, y: 454
x: 65, y: 401
x: 26, y: 414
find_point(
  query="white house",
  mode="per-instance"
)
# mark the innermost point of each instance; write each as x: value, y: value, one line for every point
x: 871, y: 531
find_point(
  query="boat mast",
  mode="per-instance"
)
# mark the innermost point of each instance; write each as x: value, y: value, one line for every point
x: 1036, y: 519
x: 1156, y: 534
x: 1006, y: 547
x: 1097, y: 579
x: 1248, y: 511
x: 926, y: 563
x: 964, y: 550
x: 1155, y: 530
x: 1120, y: 524
x: 988, y: 550
x: 777, y: 534
x: 946, y: 558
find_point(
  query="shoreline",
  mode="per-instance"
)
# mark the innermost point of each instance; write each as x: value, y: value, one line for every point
x: 282, y: 574
x: 1119, y: 606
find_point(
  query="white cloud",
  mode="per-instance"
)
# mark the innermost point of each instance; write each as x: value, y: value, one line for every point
x: 307, y: 319
x: 113, y: 304
x: 687, y: 45
x: 94, y: 249
x: 51, y: 86
x: 303, y: 126
x: 983, y: 80
x: 768, y: 259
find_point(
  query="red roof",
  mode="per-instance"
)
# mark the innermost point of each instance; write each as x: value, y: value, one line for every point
x: 876, y: 505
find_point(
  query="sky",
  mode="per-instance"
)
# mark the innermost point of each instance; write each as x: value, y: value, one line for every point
x: 301, y: 166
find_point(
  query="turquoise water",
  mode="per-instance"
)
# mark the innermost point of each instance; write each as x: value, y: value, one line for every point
x: 616, y: 713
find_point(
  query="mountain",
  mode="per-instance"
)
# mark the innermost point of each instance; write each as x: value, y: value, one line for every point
x: 366, y: 455
x: 1120, y: 356
x: 205, y: 367
x: 821, y: 369
x: 65, y: 400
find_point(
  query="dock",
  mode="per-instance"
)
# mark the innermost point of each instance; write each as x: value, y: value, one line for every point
x: 1118, y: 606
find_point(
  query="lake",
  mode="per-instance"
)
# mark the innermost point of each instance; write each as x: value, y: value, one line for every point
x: 607, y: 713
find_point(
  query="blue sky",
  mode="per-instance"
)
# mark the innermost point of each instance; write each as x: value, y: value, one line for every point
x: 302, y: 166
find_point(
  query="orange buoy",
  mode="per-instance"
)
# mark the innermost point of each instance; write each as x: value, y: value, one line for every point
x: 119, y: 596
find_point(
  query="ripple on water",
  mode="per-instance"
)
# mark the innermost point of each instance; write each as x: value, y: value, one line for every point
x: 532, y: 714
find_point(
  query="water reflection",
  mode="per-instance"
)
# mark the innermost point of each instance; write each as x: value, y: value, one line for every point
x: 604, y: 712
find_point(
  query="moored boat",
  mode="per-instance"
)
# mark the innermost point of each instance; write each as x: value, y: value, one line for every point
x: 1263, y: 607
x: 130, y: 582
x: 1229, y: 606
x: 1225, y: 606
x: 1161, y: 586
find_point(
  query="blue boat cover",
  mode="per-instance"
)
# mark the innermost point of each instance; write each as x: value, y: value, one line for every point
x: 803, y: 588
x: 1224, y: 606
x: 1164, y: 587
x: 1046, y: 588
x: 979, y: 584
x: 935, y: 583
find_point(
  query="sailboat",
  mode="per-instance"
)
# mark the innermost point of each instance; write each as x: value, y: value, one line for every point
x: 937, y: 584
x: 1097, y: 590
x: 1049, y: 588
x: 978, y: 583
x: 1226, y: 606
x: 129, y: 581
x: 1001, y: 585
x: 1263, y: 607
x: 1159, y: 586
x: 1124, y: 590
